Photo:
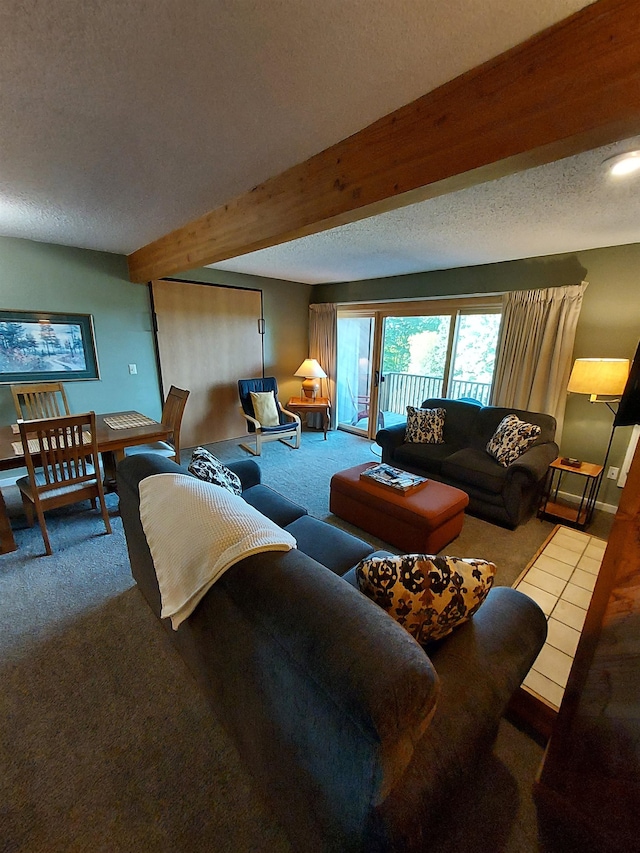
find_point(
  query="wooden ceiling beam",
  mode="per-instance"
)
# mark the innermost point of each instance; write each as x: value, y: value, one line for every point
x: 571, y: 88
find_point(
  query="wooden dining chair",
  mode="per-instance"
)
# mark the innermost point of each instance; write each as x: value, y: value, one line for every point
x: 61, y: 455
x: 172, y: 413
x: 40, y: 400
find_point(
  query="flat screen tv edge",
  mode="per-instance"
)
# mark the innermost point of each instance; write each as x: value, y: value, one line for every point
x: 629, y: 408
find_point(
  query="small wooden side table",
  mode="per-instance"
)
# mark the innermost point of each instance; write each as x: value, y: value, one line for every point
x: 304, y: 406
x: 553, y: 506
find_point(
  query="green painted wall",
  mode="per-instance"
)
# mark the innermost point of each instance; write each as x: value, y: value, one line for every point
x: 609, y: 325
x: 43, y: 277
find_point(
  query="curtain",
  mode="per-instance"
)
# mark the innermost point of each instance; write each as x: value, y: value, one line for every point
x: 535, y: 348
x: 323, y: 346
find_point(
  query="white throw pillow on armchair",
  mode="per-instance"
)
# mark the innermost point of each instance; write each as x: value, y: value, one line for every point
x: 265, y: 408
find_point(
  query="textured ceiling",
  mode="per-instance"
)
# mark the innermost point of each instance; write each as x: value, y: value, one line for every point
x: 567, y: 206
x: 120, y: 121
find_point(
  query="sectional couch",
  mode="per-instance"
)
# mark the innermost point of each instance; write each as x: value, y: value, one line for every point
x: 507, y: 495
x: 329, y: 701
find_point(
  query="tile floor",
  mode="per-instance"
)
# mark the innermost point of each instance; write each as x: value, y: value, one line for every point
x: 561, y: 580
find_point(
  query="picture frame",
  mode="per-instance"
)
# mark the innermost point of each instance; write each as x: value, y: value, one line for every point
x: 45, y: 346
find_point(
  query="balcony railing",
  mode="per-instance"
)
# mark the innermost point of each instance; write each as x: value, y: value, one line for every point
x: 400, y: 390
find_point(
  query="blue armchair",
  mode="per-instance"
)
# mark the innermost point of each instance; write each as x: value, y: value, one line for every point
x: 284, y: 425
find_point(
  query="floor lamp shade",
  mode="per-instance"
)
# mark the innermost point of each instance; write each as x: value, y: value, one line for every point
x: 596, y: 376
x: 312, y: 373
x: 599, y: 376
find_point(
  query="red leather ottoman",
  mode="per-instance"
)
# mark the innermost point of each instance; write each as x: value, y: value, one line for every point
x: 421, y: 522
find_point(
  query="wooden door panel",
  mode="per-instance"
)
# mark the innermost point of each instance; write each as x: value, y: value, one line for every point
x: 208, y: 338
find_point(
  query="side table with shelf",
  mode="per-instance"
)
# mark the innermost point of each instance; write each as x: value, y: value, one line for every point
x: 553, y: 506
x: 305, y: 406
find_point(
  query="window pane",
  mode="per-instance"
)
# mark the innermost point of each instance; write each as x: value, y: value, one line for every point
x: 474, y: 357
x: 414, y: 357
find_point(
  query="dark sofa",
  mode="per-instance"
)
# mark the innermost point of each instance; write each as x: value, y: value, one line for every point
x: 506, y: 495
x: 326, y: 697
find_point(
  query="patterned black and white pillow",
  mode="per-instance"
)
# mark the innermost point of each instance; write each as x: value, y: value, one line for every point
x: 511, y: 439
x: 205, y: 466
x: 424, y: 426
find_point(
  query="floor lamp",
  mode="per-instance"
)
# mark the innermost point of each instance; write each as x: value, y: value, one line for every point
x: 597, y: 377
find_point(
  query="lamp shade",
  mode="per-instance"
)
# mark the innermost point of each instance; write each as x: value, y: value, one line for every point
x: 310, y: 369
x: 312, y: 373
x: 596, y: 376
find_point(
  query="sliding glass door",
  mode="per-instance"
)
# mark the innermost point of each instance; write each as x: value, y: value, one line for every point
x: 441, y: 355
x: 389, y: 360
x: 355, y: 359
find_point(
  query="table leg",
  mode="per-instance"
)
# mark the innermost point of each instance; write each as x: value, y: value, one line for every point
x: 7, y: 541
x: 110, y: 459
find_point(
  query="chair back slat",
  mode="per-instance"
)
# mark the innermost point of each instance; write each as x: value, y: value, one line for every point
x: 172, y: 413
x: 67, y: 449
x: 42, y: 400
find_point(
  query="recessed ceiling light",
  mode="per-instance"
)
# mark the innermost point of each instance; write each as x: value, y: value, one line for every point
x: 624, y: 164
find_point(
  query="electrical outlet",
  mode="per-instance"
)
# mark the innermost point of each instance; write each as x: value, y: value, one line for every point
x: 133, y: 369
x: 612, y: 473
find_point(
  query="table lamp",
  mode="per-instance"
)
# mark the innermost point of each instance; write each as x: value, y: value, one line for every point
x: 312, y: 373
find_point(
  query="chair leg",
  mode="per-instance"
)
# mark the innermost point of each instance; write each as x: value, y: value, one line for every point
x: 43, y: 529
x: 105, y: 512
x: 293, y: 442
x: 258, y: 449
x: 27, y: 506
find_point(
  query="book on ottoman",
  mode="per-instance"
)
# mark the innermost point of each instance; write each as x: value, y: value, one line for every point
x: 393, y: 478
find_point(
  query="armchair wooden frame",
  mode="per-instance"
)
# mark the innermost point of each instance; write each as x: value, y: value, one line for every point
x: 40, y: 400
x: 64, y: 451
x: 289, y: 429
x: 263, y: 434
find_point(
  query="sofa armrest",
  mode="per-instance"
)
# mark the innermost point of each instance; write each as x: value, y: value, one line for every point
x: 391, y: 437
x: 132, y: 469
x: 248, y: 471
x: 535, y: 461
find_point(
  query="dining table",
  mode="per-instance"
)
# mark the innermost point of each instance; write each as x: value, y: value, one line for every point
x: 115, y: 431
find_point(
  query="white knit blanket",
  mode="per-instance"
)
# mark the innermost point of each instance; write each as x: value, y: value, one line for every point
x: 196, y: 531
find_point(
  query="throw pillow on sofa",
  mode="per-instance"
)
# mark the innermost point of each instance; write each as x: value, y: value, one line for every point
x: 424, y: 426
x: 265, y: 408
x: 429, y: 596
x: 206, y: 466
x: 511, y: 439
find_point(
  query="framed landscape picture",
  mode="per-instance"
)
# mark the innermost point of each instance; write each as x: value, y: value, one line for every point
x: 40, y: 346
